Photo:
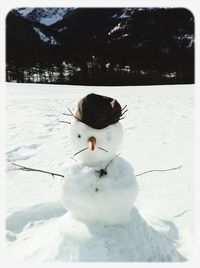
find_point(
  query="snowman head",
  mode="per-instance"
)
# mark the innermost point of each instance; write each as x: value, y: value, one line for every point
x: 95, y: 134
x: 95, y: 146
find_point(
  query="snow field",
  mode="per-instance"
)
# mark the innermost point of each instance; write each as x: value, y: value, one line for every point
x: 158, y: 134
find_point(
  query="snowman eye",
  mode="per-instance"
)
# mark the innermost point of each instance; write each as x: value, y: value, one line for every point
x: 79, y: 136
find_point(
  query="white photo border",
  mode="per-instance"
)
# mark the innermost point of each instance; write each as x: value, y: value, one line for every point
x: 5, y: 7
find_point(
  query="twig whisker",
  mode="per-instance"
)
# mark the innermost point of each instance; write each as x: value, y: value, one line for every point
x: 74, y: 115
x: 67, y: 114
x: 65, y: 122
x: 80, y: 151
x: 124, y: 112
x: 122, y: 117
x: 103, y: 149
x: 124, y: 107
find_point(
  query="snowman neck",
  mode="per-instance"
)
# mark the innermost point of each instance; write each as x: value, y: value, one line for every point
x: 102, y: 171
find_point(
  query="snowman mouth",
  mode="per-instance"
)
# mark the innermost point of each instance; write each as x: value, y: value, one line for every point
x: 88, y: 149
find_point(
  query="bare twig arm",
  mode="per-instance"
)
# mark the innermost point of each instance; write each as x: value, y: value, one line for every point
x: 60, y: 175
x: 38, y: 170
x: 157, y: 170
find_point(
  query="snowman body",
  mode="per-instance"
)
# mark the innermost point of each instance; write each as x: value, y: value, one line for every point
x: 108, y: 199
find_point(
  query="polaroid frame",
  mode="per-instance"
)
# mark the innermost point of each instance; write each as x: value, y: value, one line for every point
x: 194, y: 7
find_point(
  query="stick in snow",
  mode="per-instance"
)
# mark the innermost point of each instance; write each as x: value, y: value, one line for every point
x: 38, y: 170
x: 158, y: 170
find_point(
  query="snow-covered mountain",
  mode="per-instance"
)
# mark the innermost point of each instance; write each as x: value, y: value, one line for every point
x: 147, y: 40
x: 47, y: 16
x: 24, y: 11
x: 136, y: 27
x: 29, y: 37
x: 45, y: 38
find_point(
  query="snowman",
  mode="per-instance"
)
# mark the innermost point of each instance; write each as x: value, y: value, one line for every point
x: 100, y: 185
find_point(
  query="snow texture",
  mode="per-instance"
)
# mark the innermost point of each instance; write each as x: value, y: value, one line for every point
x: 46, y: 16
x: 116, y: 28
x: 51, y: 18
x: 158, y: 134
x: 66, y: 239
x: 24, y: 11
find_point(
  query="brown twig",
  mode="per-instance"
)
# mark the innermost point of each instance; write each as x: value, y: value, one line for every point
x: 124, y: 107
x: 67, y: 114
x: 65, y: 122
x: 80, y: 151
x: 157, y: 170
x: 59, y: 175
x: 38, y: 170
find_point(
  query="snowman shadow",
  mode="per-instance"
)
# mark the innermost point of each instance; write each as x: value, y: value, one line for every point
x: 134, y: 241
x: 93, y: 241
x: 18, y: 220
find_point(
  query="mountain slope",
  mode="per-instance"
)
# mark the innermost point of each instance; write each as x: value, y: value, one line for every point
x: 143, y: 45
x: 21, y: 39
x: 29, y: 41
x: 46, y: 16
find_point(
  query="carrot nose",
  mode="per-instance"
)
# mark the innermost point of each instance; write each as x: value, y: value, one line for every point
x: 91, y: 143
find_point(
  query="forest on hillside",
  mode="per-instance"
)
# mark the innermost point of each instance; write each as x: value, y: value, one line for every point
x: 101, y: 46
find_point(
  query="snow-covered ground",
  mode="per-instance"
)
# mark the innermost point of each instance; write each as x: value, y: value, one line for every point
x: 158, y: 134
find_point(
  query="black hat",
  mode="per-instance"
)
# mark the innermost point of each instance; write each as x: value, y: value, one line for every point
x: 98, y: 111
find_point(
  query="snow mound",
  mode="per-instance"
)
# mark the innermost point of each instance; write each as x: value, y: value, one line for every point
x: 66, y: 239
